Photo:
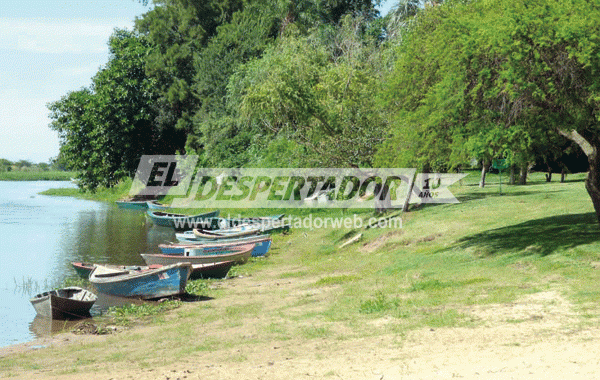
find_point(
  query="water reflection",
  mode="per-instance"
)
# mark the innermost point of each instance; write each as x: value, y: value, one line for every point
x: 42, y: 327
x: 47, y: 234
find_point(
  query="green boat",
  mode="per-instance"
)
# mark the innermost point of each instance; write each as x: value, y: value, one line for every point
x: 132, y: 205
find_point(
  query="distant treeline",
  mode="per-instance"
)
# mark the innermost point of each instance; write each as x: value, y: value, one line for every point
x: 28, y: 166
x: 330, y: 83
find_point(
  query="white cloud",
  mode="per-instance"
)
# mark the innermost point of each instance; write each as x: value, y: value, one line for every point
x: 39, y: 35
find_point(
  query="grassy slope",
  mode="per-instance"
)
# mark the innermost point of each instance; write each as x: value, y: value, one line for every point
x: 489, y: 249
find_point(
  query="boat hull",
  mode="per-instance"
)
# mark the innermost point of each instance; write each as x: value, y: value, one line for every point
x: 211, y: 270
x: 236, y: 254
x: 263, y: 244
x: 132, y: 205
x: 181, y: 222
x: 161, y: 282
x: 154, y: 205
x: 67, y: 303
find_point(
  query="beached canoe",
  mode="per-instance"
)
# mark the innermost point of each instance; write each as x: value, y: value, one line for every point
x: 181, y: 222
x: 132, y: 205
x: 263, y: 243
x: 66, y: 303
x: 164, y: 281
x: 211, y: 270
x: 237, y: 232
x: 239, y: 254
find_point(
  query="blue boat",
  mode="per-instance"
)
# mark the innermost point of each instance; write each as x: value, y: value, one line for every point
x: 181, y: 222
x: 263, y: 244
x: 148, y: 283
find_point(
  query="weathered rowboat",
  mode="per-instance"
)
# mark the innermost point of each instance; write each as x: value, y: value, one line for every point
x: 239, y: 254
x: 164, y: 281
x: 211, y: 270
x: 66, y: 303
x: 188, y: 237
x: 263, y: 243
x: 181, y: 222
x: 227, y: 233
x: 239, y: 231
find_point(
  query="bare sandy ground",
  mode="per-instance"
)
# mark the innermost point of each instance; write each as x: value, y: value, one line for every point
x: 538, y: 337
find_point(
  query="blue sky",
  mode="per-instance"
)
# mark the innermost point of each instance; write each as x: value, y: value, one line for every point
x: 48, y: 48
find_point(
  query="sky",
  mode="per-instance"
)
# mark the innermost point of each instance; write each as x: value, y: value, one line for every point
x: 47, y: 49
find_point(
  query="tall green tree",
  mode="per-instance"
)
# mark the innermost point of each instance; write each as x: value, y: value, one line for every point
x: 177, y: 31
x: 105, y: 129
x: 318, y: 90
x: 218, y: 135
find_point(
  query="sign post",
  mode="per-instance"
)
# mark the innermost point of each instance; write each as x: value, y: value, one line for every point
x: 500, y: 164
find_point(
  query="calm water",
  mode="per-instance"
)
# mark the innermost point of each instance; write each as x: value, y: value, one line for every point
x: 39, y: 238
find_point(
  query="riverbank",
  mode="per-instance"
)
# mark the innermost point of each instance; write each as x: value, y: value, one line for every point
x: 120, y: 191
x: 34, y: 175
x: 496, y: 286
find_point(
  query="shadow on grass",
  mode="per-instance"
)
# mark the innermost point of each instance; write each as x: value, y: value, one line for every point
x: 187, y: 297
x: 539, y: 236
x: 476, y: 196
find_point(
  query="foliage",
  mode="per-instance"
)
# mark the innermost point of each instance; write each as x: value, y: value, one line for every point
x: 319, y: 91
x: 177, y: 30
x: 218, y: 135
x: 468, y: 83
x: 127, y: 314
x: 105, y: 129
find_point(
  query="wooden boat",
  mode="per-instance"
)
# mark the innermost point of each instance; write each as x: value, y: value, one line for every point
x: 66, y: 303
x: 132, y: 205
x: 263, y: 243
x: 181, y: 221
x: 153, y: 282
x: 156, y: 205
x: 239, y: 231
x: 227, y: 233
x: 211, y: 270
x: 239, y: 254
x: 188, y: 237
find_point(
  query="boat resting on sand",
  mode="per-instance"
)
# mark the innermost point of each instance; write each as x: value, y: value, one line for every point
x: 261, y: 248
x: 66, y: 303
x: 239, y: 254
x: 181, y: 222
x: 163, y: 281
x: 211, y: 270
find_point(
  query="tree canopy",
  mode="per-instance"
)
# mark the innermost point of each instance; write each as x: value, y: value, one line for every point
x: 330, y: 83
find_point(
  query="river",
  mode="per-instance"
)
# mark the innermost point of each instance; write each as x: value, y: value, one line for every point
x: 41, y: 235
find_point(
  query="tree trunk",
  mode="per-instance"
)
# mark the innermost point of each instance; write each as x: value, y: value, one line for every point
x: 592, y: 182
x: 549, y: 176
x: 563, y: 175
x: 523, y: 175
x: 483, y: 173
x: 512, y: 178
